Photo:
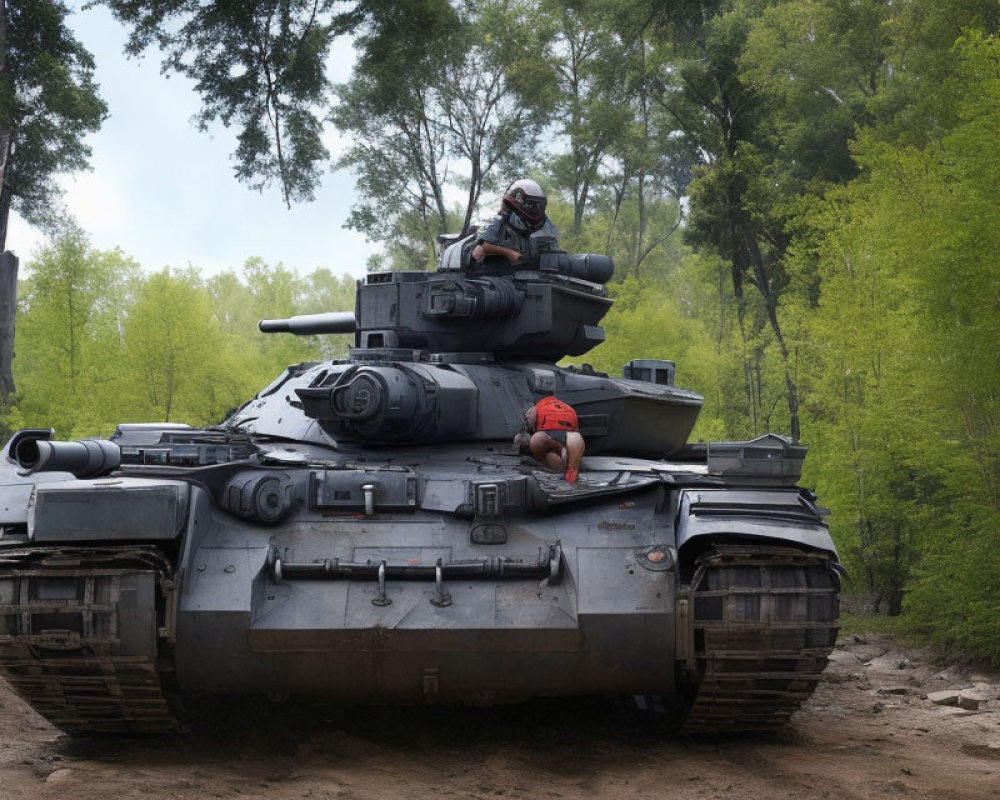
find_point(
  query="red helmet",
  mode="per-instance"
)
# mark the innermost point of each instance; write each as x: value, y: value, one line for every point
x: 526, y: 199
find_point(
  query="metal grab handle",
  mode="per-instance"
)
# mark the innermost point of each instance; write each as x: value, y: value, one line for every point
x: 381, y: 600
x: 441, y: 599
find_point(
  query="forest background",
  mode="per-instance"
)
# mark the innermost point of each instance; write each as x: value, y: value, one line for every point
x: 801, y: 197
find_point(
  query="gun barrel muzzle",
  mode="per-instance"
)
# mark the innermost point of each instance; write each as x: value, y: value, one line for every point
x: 85, y: 458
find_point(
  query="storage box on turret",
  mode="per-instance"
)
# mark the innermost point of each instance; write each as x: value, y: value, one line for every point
x: 769, y: 456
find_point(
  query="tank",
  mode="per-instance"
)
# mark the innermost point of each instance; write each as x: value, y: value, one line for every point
x: 363, y: 530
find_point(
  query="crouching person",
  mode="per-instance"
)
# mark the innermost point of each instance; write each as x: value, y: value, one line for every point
x: 555, y: 439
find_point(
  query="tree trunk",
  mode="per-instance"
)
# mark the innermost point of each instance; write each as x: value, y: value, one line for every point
x: 8, y: 261
x: 5, y: 133
x: 763, y: 282
x: 8, y: 305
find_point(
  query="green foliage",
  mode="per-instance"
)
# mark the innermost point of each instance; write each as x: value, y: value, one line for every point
x: 953, y: 599
x: 175, y: 360
x: 468, y: 110
x: 259, y: 67
x: 70, y: 313
x: 900, y: 392
x: 100, y: 343
x: 48, y: 105
x: 820, y: 64
x: 861, y: 624
x: 592, y: 105
x: 919, y: 104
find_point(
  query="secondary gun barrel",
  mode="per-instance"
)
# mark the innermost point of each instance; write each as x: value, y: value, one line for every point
x: 309, y: 324
x: 84, y: 458
x: 588, y: 266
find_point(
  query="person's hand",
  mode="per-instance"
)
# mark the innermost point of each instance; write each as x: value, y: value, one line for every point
x: 530, y: 418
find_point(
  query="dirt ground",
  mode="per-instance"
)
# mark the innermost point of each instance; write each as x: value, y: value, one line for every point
x: 870, y: 731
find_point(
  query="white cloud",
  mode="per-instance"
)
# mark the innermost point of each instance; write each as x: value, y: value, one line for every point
x: 22, y: 239
x: 95, y: 202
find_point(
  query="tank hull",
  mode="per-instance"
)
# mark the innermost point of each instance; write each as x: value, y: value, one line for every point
x: 577, y: 628
x: 499, y: 583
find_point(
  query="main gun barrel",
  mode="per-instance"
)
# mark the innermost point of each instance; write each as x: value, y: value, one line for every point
x: 309, y: 324
x: 84, y: 458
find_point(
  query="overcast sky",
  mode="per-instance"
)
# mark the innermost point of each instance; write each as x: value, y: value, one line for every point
x: 165, y: 192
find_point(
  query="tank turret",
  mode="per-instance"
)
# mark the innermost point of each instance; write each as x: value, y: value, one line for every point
x: 544, y: 313
x: 449, y: 355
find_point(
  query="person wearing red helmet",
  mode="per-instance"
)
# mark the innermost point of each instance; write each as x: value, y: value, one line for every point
x: 521, y: 229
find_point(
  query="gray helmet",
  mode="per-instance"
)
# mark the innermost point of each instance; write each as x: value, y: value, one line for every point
x: 526, y: 199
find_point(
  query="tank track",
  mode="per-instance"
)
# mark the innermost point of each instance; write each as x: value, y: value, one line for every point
x: 765, y: 620
x: 61, y: 634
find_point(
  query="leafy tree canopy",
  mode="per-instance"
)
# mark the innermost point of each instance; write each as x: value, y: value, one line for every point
x: 48, y: 104
x: 260, y: 68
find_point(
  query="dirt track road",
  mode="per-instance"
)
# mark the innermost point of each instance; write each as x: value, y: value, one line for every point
x: 869, y: 732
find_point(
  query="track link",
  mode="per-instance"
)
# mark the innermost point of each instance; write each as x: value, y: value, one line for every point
x: 765, y: 620
x: 78, y: 636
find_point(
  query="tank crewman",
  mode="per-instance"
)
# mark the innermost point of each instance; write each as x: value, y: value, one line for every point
x: 553, y: 436
x: 521, y: 230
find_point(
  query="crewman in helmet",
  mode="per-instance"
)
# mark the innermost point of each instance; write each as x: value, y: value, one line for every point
x: 521, y: 230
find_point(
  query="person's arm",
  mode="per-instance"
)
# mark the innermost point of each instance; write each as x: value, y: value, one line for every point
x: 484, y: 249
x: 489, y: 241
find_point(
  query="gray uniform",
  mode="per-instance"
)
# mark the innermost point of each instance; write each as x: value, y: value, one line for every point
x: 544, y: 240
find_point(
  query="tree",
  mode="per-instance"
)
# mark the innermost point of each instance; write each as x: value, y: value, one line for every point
x: 901, y: 382
x: 468, y: 110
x: 70, y: 323
x: 48, y: 104
x: 264, y: 292
x: 723, y: 118
x: 823, y: 63
x: 180, y: 363
x: 769, y: 127
x: 952, y: 217
x: 399, y: 157
x: 588, y: 61
x: 258, y: 66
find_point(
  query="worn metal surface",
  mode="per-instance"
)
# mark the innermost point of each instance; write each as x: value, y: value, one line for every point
x: 765, y: 620
x: 78, y: 637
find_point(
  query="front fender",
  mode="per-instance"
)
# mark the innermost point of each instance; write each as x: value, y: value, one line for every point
x: 782, y: 515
